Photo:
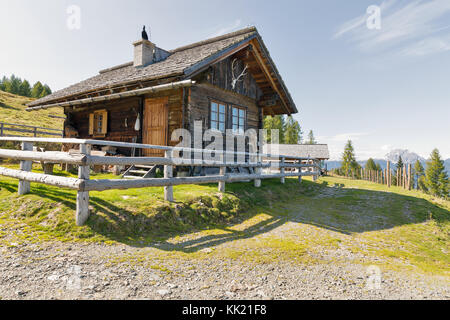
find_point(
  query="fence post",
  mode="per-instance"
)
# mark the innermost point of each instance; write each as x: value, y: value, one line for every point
x: 82, y: 211
x: 24, y: 186
x: 1, y: 129
x: 282, y: 170
x: 409, y: 176
x: 258, y: 170
x: 168, y: 173
x: 223, y: 171
x: 388, y: 174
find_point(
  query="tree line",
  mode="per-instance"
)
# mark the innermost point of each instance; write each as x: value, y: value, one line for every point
x: 16, y: 85
x: 289, y: 129
x: 432, y: 180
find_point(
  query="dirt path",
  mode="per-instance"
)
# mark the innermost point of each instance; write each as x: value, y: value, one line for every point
x: 62, y: 271
x: 296, y: 255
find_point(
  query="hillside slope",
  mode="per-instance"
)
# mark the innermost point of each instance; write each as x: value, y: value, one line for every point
x: 12, y: 110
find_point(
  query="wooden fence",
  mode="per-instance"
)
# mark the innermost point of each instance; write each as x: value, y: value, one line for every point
x: 403, y: 176
x: 84, y: 160
x: 6, y: 128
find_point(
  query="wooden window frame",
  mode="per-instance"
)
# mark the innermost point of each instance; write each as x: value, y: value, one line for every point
x: 95, y: 124
x: 239, y: 117
x: 219, y: 113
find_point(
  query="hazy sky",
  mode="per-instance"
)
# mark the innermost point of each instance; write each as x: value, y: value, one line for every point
x: 383, y: 88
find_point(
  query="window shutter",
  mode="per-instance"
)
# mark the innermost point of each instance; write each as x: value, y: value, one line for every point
x: 91, y: 124
x: 105, y: 122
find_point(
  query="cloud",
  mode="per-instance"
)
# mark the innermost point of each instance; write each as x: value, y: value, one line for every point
x: 227, y: 29
x: 412, y: 27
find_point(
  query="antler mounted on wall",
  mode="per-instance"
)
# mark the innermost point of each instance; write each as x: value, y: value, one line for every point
x: 238, y: 78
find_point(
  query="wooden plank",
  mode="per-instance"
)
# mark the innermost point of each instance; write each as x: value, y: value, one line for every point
x: 108, y: 184
x: 62, y: 182
x: 48, y: 156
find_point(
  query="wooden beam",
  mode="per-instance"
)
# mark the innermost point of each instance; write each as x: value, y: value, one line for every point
x: 56, y: 181
x: 268, y: 73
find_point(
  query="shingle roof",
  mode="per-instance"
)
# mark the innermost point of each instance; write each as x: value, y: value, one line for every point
x: 316, y: 151
x: 176, y: 64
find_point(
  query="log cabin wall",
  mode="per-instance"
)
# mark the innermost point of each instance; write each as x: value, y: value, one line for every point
x: 122, y: 115
x: 216, y: 84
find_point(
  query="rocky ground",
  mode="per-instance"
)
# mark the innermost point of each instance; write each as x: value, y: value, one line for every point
x: 93, y: 271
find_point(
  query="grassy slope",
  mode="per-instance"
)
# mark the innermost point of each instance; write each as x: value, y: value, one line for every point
x: 400, y: 229
x: 12, y: 110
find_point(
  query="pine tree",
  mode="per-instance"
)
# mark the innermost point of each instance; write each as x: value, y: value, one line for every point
x: 45, y: 91
x: 370, y: 165
x: 25, y: 89
x: 349, y: 163
x: 15, y: 84
x: 37, y: 90
x: 2, y: 83
x: 311, y: 138
x: 419, y: 173
x: 293, y: 132
x: 436, y: 177
x: 379, y: 167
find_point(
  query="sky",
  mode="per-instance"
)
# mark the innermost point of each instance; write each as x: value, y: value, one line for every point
x: 381, y: 80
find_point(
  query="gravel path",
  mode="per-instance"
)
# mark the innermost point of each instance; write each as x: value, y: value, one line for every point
x: 86, y: 271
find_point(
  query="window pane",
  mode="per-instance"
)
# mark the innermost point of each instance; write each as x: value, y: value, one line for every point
x: 222, y: 117
x: 235, y: 120
x: 213, y: 124
x: 213, y: 116
x: 235, y: 127
x: 222, y: 108
x: 242, y: 113
x: 235, y: 111
x: 213, y: 107
x: 241, y: 122
x: 222, y: 127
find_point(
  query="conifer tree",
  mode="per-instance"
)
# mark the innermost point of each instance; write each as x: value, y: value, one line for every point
x: 370, y: 165
x: 25, y: 89
x: 37, y: 90
x: 311, y: 138
x: 349, y: 163
x: 436, y: 177
x: 293, y: 133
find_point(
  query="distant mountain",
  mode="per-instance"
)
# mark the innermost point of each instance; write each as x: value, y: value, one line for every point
x: 447, y: 166
x: 407, y: 157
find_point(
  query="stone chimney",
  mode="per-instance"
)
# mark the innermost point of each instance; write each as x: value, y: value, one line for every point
x: 144, y: 53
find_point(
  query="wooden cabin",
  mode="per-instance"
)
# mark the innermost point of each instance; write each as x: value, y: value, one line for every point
x: 227, y: 82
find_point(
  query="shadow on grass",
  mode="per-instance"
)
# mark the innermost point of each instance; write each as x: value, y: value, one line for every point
x: 331, y: 207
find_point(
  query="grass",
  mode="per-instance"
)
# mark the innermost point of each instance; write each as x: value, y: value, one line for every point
x: 300, y: 223
x: 12, y: 110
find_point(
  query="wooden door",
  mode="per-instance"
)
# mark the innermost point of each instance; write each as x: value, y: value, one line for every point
x: 155, y: 126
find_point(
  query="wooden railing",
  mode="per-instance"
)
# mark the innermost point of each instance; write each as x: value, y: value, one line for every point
x: 25, y: 130
x: 83, y: 159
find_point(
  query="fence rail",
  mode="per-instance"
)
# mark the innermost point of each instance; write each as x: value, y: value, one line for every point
x: 25, y: 129
x: 83, y: 184
x: 400, y: 177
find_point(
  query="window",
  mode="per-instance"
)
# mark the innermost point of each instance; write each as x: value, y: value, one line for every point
x: 218, y: 116
x: 238, y: 120
x: 98, y: 123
